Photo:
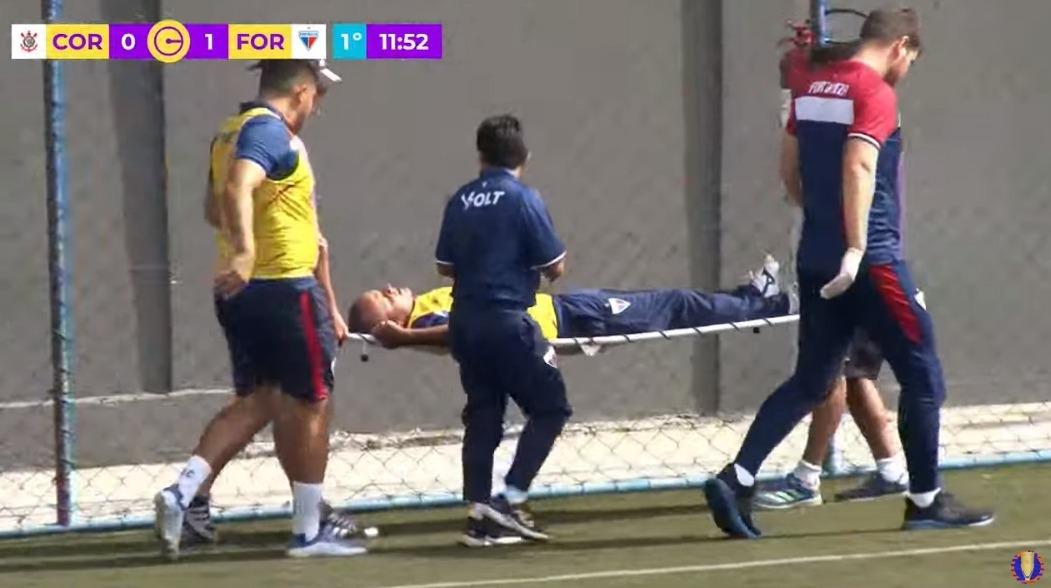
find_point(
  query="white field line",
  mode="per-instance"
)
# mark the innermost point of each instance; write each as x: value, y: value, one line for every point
x: 762, y: 563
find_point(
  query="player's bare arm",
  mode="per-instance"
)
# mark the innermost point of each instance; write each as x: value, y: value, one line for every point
x: 392, y: 335
x: 323, y: 274
x: 555, y: 269
x: 859, y: 185
x: 790, y: 169
x: 445, y: 270
x: 236, y: 203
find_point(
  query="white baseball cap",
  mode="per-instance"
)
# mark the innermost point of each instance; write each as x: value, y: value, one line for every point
x: 322, y: 68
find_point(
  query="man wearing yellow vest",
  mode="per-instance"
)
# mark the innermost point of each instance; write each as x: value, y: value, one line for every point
x: 279, y: 319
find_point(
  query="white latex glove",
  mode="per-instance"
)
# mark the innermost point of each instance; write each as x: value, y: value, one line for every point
x: 848, y: 272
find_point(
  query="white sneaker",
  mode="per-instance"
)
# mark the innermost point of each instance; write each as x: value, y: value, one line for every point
x: 167, y: 520
x: 765, y: 279
x: 329, y: 542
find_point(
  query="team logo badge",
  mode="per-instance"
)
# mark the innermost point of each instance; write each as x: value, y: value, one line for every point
x: 308, y: 38
x: 617, y: 305
x: 1027, y: 567
x: 28, y: 41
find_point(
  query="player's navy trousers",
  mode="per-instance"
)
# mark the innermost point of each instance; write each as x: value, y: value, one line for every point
x: 590, y: 313
x: 503, y: 355
x: 883, y: 301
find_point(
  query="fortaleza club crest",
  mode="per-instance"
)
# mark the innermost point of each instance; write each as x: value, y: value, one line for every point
x: 28, y: 41
x: 308, y: 38
x: 1027, y: 567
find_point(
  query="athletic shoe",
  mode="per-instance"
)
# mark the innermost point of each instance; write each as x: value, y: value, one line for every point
x: 197, y: 525
x: 331, y: 541
x: 485, y: 533
x: 946, y: 512
x: 168, y: 519
x: 343, y: 520
x: 765, y: 279
x: 873, y: 488
x: 789, y: 492
x: 515, y: 518
x: 731, y: 504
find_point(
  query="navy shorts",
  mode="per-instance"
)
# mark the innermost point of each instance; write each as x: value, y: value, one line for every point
x: 280, y: 333
x: 865, y: 358
x: 502, y: 355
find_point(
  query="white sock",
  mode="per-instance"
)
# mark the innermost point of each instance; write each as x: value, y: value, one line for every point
x: 744, y: 477
x: 514, y: 495
x: 924, y: 499
x: 191, y: 477
x: 809, y: 474
x: 476, y: 510
x: 892, y: 469
x: 306, y: 509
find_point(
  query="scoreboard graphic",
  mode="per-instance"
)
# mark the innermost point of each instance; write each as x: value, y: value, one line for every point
x: 170, y: 41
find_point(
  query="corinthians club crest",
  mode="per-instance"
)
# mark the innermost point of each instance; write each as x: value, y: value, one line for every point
x: 29, y: 43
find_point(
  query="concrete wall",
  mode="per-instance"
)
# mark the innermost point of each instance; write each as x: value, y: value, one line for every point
x: 653, y: 128
x: 978, y: 197
x: 600, y: 89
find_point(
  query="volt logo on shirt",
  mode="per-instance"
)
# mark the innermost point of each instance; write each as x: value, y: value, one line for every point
x: 480, y: 199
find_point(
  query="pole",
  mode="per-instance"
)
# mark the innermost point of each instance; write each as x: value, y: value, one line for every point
x: 58, y: 241
x: 819, y: 22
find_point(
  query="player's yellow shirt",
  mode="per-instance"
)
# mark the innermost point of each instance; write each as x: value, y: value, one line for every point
x: 432, y: 309
x: 284, y: 219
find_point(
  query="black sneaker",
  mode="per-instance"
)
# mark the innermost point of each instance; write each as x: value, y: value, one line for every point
x: 485, y: 533
x: 516, y: 518
x: 946, y: 512
x: 731, y: 504
x: 198, y: 527
x: 873, y: 488
x: 343, y: 521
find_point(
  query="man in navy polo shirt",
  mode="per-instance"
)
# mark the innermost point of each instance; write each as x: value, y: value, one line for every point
x: 840, y: 161
x: 496, y: 241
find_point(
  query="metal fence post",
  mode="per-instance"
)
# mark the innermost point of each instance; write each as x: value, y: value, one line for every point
x: 818, y: 22
x: 58, y: 234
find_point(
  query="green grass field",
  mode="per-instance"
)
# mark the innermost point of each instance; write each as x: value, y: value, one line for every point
x: 660, y: 539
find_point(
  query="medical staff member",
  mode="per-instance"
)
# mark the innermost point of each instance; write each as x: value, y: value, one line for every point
x: 496, y: 241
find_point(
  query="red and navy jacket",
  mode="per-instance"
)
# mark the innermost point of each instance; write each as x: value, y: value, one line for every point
x: 830, y: 105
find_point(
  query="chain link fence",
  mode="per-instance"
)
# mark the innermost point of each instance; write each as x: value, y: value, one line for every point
x: 653, y: 131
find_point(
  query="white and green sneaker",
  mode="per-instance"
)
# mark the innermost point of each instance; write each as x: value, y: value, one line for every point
x: 788, y: 493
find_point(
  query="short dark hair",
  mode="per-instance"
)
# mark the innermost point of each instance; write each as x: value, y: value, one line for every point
x: 362, y: 316
x: 281, y: 75
x: 500, y: 141
x: 891, y: 24
x: 883, y: 25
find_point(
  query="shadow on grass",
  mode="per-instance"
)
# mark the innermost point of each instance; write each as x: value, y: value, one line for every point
x: 261, y: 547
x: 452, y: 523
x: 438, y: 551
x: 135, y: 561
